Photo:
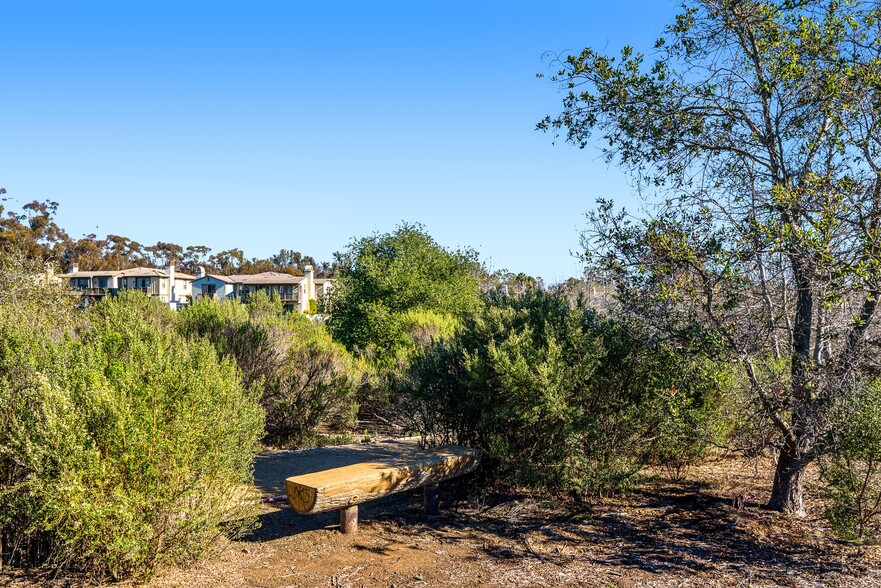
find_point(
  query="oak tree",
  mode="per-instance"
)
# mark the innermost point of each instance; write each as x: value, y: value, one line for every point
x: 754, y: 131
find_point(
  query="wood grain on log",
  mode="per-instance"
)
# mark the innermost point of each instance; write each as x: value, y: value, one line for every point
x: 353, y: 484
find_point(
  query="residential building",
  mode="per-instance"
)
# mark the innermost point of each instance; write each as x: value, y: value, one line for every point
x: 170, y: 286
x: 294, y: 291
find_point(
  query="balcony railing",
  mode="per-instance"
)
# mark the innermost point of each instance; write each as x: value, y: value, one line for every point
x: 86, y: 291
x: 283, y: 296
x: 148, y: 290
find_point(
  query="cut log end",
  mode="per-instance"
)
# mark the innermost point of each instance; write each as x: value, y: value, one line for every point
x: 302, y: 498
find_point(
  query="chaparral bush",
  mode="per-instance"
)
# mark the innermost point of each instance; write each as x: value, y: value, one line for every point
x: 240, y: 332
x: 560, y: 397
x: 307, y: 380
x: 315, y: 387
x: 123, y: 445
x: 852, y: 467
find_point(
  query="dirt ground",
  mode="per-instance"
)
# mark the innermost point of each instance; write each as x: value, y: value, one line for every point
x: 685, y: 533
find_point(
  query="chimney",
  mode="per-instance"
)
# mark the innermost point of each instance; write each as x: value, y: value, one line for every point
x: 200, y: 272
x: 74, y: 269
x: 170, y: 272
x: 310, y: 284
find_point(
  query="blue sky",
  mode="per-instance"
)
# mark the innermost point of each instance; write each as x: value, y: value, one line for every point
x: 270, y: 125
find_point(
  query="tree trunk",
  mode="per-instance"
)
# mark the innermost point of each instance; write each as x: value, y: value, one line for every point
x: 787, y: 495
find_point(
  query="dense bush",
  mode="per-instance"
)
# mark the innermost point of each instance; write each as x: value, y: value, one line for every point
x: 851, y: 467
x: 690, y: 402
x: 253, y: 335
x: 122, y: 444
x: 391, y: 282
x: 307, y: 381
x: 560, y: 397
x: 27, y: 292
x: 315, y: 386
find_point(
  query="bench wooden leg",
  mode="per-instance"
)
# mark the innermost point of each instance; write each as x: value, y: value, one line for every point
x: 349, y: 520
x: 431, y: 499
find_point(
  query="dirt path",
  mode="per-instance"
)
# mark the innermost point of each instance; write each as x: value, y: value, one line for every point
x: 685, y: 534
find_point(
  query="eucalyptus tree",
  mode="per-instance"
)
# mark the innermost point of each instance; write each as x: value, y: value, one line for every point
x: 33, y: 232
x: 753, y: 129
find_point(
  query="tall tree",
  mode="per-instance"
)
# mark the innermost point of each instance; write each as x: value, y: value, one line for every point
x: 385, y: 276
x: 87, y: 253
x: 33, y: 232
x: 122, y: 252
x: 194, y: 256
x: 164, y: 253
x: 287, y: 259
x: 227, y: 262
x: 758, y: 125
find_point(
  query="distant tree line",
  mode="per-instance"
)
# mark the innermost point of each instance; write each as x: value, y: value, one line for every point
x: 34, y: 233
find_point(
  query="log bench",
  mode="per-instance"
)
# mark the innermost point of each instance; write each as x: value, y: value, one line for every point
x: 344, y: 488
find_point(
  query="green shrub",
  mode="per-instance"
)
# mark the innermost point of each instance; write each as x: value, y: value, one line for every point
x: 851, y: 466
x: 751, y: 432
x: 307, y: 381
x: 386, y: 276
x: 423, y: 327
x: 557, y: 396
x: 27, y: 294
x: 124, y: 446
x: 689, y: 395
x: 252, y: 334
x: 315, y: 386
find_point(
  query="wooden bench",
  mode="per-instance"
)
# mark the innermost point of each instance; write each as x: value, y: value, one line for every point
x: 344, y: 488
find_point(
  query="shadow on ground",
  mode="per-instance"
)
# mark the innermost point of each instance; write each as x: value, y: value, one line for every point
x: 283, y: 521
x: 680, y: 528
x: 670, y: 527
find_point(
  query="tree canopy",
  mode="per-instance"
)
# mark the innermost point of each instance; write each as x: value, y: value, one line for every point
x: 386, y: 278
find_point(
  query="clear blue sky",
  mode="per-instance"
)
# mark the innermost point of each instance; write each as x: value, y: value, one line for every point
x: 270, y: 125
